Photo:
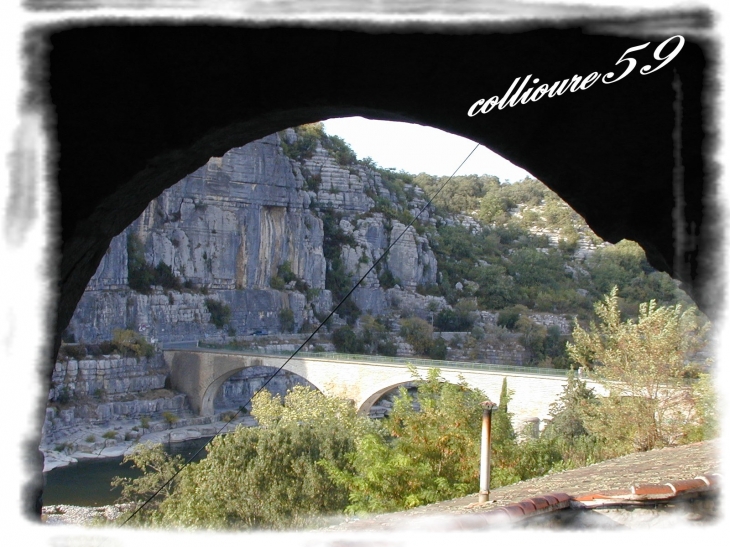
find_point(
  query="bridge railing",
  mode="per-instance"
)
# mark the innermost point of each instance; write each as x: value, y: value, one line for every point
x: 431, y: 363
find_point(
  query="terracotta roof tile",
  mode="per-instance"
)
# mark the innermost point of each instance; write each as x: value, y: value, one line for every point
x: 561, y: 497
x: 689, y: 485
x: 650, y: 491
x: 541, y: 503
x: 527, y: 506
x: 513, y: 510
x: 711, y: 479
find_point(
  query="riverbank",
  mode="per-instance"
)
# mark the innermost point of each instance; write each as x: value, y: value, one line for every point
x: 117, y: 437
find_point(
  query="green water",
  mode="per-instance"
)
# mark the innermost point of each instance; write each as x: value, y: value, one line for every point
x: 88, y: 483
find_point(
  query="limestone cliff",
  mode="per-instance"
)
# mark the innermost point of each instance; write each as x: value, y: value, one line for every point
x: 228, y: 230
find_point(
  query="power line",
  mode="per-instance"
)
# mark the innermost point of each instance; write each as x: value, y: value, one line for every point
x: 331, y: 313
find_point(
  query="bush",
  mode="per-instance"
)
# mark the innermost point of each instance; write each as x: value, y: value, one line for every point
x: 286, y: 320
x: 107, y: 347
x: 387, y: 279
x: 277, y: 283
x: 170, y: 418
x: 220, y: 313
x: 268, y: 477
x: 68, y: 351
x: 508, y: 318
x: 437, y: 349
x: 132, y: 343
x: 64, y: 395
x: 346, y: 340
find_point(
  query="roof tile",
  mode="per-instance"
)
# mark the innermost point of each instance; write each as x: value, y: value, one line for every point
x: 688, y: 485
x: 562, y: 497
x: 513, y: 510
x: 652, y: 490
x: 711, y: 479
x: 542, y: 503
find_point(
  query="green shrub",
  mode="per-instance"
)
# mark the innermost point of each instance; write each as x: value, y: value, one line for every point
x: 132, y: 344
x: 110, y: 435
x: 64, y: 395
x: 90, y: 439
x: 387, y: 279
x: 508, y: 318
x: 346, y: 340
x: 286, y: 320
x: 170, y: 418
x: 220, y: 313
x: 285, y: 272
x: 277, y: 283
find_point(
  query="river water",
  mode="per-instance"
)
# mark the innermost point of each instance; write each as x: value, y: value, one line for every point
x: 88, y: 483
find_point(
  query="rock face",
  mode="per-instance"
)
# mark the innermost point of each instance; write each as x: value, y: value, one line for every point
x: 240, y: 387
x: 227, y: 229
x: 97, y: 391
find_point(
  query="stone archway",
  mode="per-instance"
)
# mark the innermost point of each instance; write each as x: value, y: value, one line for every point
x: 135, y: 109
x: 140, y: 107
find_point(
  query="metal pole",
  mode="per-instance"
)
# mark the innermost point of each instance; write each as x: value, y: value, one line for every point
x: 485, y: 463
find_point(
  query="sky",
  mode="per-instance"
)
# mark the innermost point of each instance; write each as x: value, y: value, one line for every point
x: 417, y: 148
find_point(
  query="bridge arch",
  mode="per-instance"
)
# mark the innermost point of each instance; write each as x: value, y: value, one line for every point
x: 368, y: 403
x: 211, y: 393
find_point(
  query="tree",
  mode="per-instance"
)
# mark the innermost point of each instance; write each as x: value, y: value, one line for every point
x: 431, y: 451
x: 272, y: 476
x: 641, y: 364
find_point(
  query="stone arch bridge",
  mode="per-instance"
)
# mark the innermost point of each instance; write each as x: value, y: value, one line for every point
x: 200, y: 373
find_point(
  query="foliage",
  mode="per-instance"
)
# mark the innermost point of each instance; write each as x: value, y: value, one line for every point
x: 141, y: 276
x: 220, y: 313
x: 305, y: 144
x: 336, y: 277
x: 272, y: 476
x: 157, y: 468
x: 418, y: 333
x: 286, y: 319
x: 131, y: 343
x: 705, y: 400
x: 387, y: 280
x: 170, y: 418
x: 456, y: 320
x: 507, y: 318
x: 641, y: 365
x: 346, y: 340
x: 71, y: 351
x: 432, y: 454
